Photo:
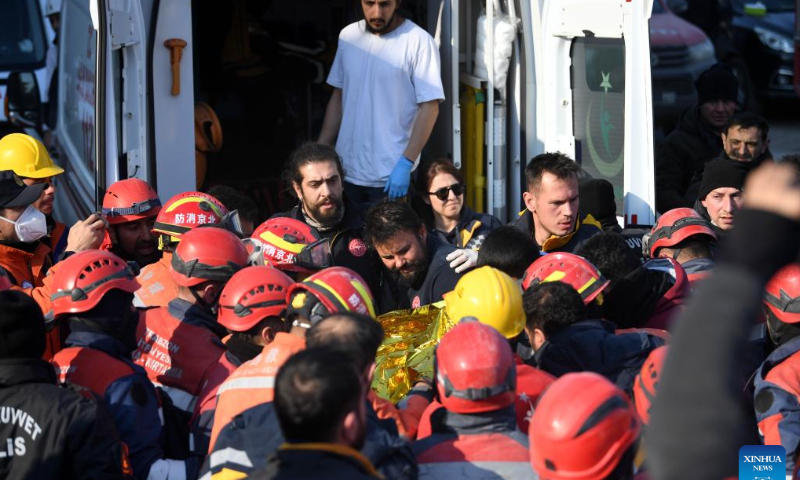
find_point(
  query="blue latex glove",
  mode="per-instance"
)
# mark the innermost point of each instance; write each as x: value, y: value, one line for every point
x: 399, y: 179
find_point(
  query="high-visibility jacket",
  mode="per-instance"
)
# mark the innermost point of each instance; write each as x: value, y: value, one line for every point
x: 97, y: 362
x: 485, y: 445
x: 254, y: 381
x: 158, y: 287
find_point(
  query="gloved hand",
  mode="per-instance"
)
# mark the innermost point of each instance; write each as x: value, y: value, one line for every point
x: 399, y: 179
x: 463, y: 259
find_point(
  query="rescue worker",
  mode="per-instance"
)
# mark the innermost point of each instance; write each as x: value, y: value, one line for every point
x: 321, y: 407
x: 777, y: 390
x: 584, y: 428
x: 180, y: 214
x: 494, y: 299
x: 551, y: 216
x: 477, y: 392
x: 29, y: 159
x: 697, y: 139
x: 93, y: 291
x: 509, y: 250
x: 446, y: 215
x: 720, y: 196
x: 645, y: 387
x: 23, y: 257
x: 565, y: 341
x: 307, y: 302
x: 59, y: 434
x: 640, y: 295
x: 252, y: 307
x: 317, y: 179
x: 130, y: 207
x: 382, y: 55
x: 179, y: 345
x: 416, y: 271
x: 684, y: 236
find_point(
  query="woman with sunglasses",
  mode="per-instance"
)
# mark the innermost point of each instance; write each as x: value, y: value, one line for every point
x: 445, y: 212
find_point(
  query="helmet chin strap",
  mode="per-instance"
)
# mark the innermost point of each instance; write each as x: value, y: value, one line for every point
x: 199, y: 301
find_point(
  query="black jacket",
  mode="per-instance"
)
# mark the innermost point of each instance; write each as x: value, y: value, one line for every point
x: 470, y: 231
x: 55, y: 432
x: 347, y: 243
x: 570, y: 243
x: 594, y: 346
x: 682, y: 154
x: 316, y: 461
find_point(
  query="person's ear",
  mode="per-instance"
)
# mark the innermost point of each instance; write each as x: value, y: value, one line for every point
x: 297, y: 190
x: 538, y: 339
x: 426, y: 198
x: 529, y: 200
x: 423, y: 233
x: 112, y: 234
x: 267, y: 335
x: 724, y: 137
x: 350, y: 428
x: 370, y: 373
x: 210, y: 292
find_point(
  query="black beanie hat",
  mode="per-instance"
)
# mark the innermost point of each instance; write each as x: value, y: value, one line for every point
x: 22, y: 330
x: 723, y: 173
x: 597, y: 198
x: 717, y: 83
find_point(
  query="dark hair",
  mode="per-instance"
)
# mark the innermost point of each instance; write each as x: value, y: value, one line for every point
x: 610, y: 253
x: 555, y: 163
x: 236, y: 200
x: 314, y: 390
x: 748, y: 120
x: 251, y: 335
x: 509, y: 250
x: 436, y: 167
x: 551, y: 306
x: 696, y: 246
x: 356, y: 336
x: 310, y: 152
x: 386, y: 219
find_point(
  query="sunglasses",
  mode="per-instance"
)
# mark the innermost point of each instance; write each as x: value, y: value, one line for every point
x: 444, y: 192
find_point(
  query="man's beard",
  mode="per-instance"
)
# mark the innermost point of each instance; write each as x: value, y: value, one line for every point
x: 328, y: 219
x: 416, y: 271
x: 385, y: 27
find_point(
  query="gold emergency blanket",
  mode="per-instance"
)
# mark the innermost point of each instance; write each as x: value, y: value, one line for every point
x: 406, y: 354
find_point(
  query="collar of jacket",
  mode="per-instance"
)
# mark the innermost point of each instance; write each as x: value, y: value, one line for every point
x: 555, y: 241
x: 496, y: 421
x: 336, y: 449
x: 82, y: 336
x: 698, y: 265
x: 692, y: 123
x: 192, y: 314
x: 566, y: 332
x: 18, y: 371
x: 350, y: 220
x: 779, y: 355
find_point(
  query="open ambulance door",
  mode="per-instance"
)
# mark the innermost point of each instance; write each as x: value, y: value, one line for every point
x: 593, y: 94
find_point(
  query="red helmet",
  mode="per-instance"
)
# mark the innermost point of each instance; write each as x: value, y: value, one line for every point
x: 582, y: 427
x: 83, y: 278
x: 333, y: 290
x: 674, y: 227
x: 186, y: 211
x: 782, y: 295
x: 251, y: 295
x: 5, y: 282
x: 207, y: 254
x: 291, y: 245
x: 571, y: 269
x: 130, y: 200
x: 646, y: 383
x: 470, y: 383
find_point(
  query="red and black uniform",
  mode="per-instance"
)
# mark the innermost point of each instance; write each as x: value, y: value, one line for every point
x: 479, y: 445
x: 54, y: 432
x: 181, y: 351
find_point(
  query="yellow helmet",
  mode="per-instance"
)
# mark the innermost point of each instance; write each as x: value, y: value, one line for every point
x: 492, y: 297
x: 26, y: 156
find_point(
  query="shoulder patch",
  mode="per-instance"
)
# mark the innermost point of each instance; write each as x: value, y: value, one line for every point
x: 357, y: 247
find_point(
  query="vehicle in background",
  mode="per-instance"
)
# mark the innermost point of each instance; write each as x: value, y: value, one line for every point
x: 680, y: 52
x: 797, y: 48
x: 23, y: 46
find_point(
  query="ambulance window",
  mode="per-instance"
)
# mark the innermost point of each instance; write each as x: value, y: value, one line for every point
x: 598, y: 109
x: 78, y: 57
x: 23, y: 45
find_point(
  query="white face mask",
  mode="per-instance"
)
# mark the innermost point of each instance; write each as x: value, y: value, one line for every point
x: 30, y: 226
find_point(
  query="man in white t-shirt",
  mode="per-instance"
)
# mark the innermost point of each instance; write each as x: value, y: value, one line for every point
x: 387, y: 88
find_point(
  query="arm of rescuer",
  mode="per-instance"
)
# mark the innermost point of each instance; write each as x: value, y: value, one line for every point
x: 699, y: 412
x: 333, y: 118
x: 408, y: 414
x: 84, y: 235
x: 203, y: 418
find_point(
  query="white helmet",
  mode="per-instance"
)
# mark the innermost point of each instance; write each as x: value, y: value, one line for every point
x: 52, y: 7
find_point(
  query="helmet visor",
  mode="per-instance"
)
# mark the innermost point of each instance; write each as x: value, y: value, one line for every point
x: 315, y: 256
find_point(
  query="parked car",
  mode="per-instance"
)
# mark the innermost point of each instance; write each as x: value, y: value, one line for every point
x: 680, y: 52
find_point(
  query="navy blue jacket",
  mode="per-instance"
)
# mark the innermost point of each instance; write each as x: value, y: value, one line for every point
x: 246, y: 443
x: 593, y: 346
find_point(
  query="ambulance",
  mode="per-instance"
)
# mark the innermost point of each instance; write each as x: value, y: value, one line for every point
x: 187, y: 94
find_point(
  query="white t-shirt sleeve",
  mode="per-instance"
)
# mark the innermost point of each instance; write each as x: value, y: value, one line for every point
x: 426, y: 74
x: 336, y: 76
